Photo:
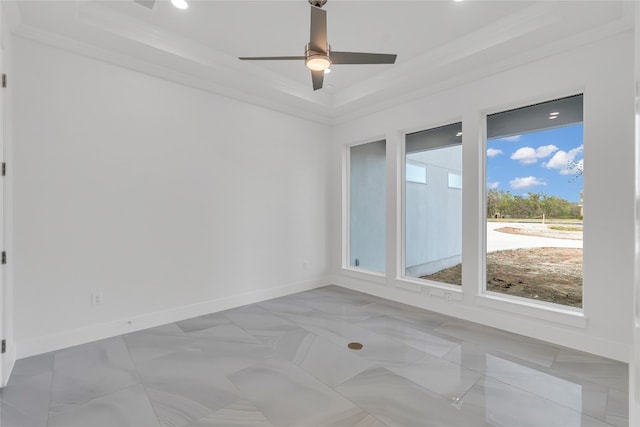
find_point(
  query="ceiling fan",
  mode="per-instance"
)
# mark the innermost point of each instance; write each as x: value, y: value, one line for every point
x: 318, y: 54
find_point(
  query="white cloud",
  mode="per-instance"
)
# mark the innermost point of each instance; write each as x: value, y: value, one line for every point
x: 526, y: 182
x: 493, y: 185
x: 492, y: 152
x: 528, y: 155
x: 561, y: 160
x: 525, y: 155
x: 545, y: 151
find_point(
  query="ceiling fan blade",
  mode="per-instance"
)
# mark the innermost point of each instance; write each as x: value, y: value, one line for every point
x: 318, y: 39
x: 270, y: 58
x: 362, y: 58
x: 317, y: 77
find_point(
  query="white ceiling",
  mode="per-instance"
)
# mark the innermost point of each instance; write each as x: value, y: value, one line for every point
x: 439, y: 43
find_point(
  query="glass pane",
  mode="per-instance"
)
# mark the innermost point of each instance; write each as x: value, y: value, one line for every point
x: 433, y: 204
x: 367, y: 204
x: 535, y: 202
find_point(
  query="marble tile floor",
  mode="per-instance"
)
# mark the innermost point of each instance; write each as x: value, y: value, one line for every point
x: 285, y: 362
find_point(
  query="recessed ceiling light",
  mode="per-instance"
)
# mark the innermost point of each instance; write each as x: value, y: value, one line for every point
x: 459, y: 133
x: 458, y: 1
x: 553, y: 117
x: 180, y: 4
x: 555, y: 113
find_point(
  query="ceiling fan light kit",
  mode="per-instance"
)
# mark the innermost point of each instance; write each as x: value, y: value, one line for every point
x: 317, y: 61
x: 318, y: 55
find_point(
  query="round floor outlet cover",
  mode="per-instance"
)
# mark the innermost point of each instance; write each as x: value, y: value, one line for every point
x: 354, y: 345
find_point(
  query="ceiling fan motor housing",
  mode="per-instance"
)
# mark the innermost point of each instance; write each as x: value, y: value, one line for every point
x: 317, y: 3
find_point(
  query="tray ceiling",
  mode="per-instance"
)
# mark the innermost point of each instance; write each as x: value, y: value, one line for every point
x: 439, y: 43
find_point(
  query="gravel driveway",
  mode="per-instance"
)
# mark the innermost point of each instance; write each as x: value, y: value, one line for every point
x: 498, y: 241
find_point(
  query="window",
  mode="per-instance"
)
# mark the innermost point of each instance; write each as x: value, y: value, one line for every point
x: 534, y: 167
x: 367, y: 204
x: 455, y: 180
x: 433, y: 205
x: 416, y: 172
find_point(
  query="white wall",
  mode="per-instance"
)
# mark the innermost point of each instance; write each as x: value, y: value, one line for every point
x: 171, y: 201
x: 6, y: 290
x: 634, y: 366
x: 604, y: 73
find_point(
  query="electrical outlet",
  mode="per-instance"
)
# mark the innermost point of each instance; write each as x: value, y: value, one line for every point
x: 96, y: 298
x: 448, y: 297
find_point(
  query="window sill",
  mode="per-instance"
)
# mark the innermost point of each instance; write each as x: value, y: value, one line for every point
x: 551, y: 313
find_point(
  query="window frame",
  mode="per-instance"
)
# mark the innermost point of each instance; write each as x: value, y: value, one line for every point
x: 544, y: 310
x: 431, y: 287
x: 376, y: 276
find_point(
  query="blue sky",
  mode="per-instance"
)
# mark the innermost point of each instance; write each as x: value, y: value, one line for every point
x: 537, y: 162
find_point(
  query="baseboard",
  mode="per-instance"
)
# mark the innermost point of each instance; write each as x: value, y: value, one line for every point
x: 69, y: 338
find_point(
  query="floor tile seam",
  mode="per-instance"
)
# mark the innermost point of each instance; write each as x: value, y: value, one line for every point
x: 146, y: 392
x: 549, y: 370
x: 549, y: 400
x: 141, y: 379
x: 461, y: 398
x: 431, y: 331
x: 226, y: 407
x: 577, y: 379
x: 444, y: 357
x: 232, y: 323
x: 427, y: 357
x: 97, y: 396
x: 53, y: 373
x: 403, y: 342
x: 359, y: 407
x: 478, y: 341
x: 445, y: 397
x: 332, y: 388
x: 415, y: 347
x: 284, y: 319
x: 364, y: 361
x: 512, y: 358
x: 15, y: 408
x: 132, y: 386
x: 595, y: 378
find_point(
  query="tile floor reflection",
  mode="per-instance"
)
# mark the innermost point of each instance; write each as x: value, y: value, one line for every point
x: 285, y: 362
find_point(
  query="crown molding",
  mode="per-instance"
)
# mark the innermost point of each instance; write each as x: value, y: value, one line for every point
x: 272, y: 99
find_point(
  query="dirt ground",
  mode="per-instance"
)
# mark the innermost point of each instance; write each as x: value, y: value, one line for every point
x: 545, y: 274
x: 543, y: 232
